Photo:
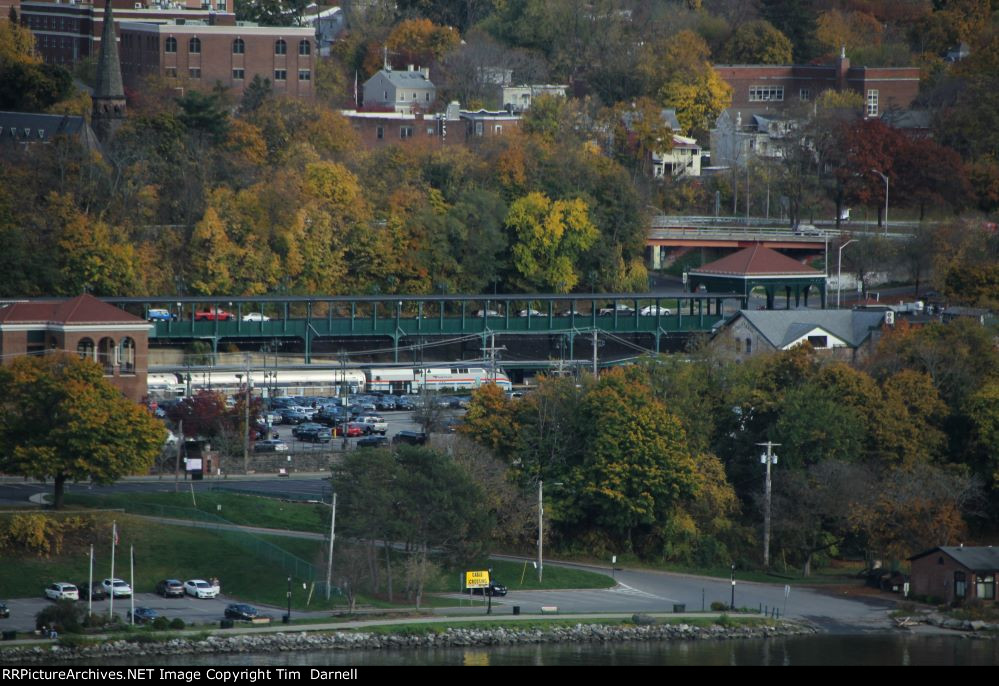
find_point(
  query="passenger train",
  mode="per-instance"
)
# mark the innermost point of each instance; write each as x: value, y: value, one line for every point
x: 396, y: 380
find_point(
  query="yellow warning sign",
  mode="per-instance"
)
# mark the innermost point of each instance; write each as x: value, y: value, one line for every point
x: 477, y: 579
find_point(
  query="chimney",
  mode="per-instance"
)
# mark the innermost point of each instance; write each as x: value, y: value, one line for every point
x: 842, y: 67
x: 426, y: 72
x: 410, y: 67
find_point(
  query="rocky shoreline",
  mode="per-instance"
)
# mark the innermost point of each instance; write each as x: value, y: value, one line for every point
x: 354, y: 640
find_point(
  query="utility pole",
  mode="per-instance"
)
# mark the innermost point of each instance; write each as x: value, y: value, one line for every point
x: 596, y: 373
x: 768, y: 458
x: 246, y: 419
x: 541, y: 535
x: 180, y: 447
x: 491, y: 351
x: 329, y: 563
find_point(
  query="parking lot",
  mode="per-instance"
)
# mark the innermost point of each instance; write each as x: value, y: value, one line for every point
x: 191, y: 610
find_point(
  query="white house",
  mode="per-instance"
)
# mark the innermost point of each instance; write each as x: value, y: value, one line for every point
x: 734, y: 141
x: 401, y: 91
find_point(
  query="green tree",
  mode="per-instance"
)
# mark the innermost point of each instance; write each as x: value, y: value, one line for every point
x: 796, y: 19
x: 758, y: 42
x: 548, y: 237
x: 60, y: 420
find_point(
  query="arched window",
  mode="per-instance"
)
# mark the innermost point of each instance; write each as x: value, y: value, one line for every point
x: 171, y: 44
x: 127, y: 356
x: 304, y: 47
x: 106, y: 355
x: 280, y: 47
x: 194, y: 45
x: 85, y: 349
x: 238, y: 47
x: 749, y: 345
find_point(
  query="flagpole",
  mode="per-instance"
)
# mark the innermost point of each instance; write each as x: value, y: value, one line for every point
x: 114, y: 538
x: 131, y: 578
x: 90, y: 584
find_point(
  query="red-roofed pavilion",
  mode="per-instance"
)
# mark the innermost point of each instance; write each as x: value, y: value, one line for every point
x: 759, y: 266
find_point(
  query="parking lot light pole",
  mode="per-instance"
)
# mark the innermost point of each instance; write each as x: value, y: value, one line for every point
x: 885, y: 178
x: 732, y: 606
x: 329, y: 563
x: 839, y: 270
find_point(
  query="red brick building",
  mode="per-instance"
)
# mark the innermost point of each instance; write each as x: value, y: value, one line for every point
x: 111, y: 337
x: 956, y: 573
x: 453, y: 126
x: 760, y: 87
x: 204, y: 55
x: 67, y: 32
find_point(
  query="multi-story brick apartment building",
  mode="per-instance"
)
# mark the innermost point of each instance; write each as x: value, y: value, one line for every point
x: 206, y: 55
x: 759, y: 88
x: 68, y: 32
x: 453, y: 126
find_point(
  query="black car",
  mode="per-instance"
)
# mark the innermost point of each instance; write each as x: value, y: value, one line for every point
x: 494, y: 589
x: 240, y: 611
x: 94, y: 592
x: 170, y: 588
x: 4, y: 611
x: 372, y: 442
x: 316, y: 435
x: 142, y: 615
x: 410, y: 438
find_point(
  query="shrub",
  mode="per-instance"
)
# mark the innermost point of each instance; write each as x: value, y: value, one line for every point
x: 177, y: 623
x: 62, y: 616
x: 718, y: 606
x: 725, y: 620
x: 161, y: 623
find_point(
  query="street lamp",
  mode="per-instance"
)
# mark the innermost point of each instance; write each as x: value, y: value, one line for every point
x: 541, y: 538
x: 885, y: 177
x: 839, y: 270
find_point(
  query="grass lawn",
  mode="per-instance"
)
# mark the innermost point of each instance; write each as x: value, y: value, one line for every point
x: 242, y: 562
x: 247, y: 510
x: 517, y: 576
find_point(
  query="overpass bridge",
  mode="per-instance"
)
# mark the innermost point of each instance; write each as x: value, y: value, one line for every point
x: 390, y: 324
x: 680, y: 233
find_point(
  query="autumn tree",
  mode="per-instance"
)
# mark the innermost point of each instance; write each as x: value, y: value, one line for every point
x: 548, y: 236
x: 796, y: 19
x: 758, y: 42
x: 61, y: 420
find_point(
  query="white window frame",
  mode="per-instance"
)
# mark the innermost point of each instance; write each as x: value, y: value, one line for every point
x: 766, y: 94
x: 872, y: 102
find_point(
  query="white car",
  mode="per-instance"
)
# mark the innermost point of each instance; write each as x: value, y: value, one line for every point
x: 531, y: 312
x: 487, y: 313
x: 255, y: 317
x: 121, y: 588
x: 378, y: 424
x: 62, y: 590
x: 200, y: 588
x: 650, y: 310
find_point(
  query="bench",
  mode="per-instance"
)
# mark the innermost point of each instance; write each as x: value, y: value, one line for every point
x: 549, y: 610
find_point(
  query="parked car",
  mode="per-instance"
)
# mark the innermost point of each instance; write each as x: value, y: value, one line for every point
x: 652, y: 310
x: 386, y: 403
x: 271, y: 445
x: 159, y: 315
x: 241, y: 611
x: 142, y: 615
x: 4, y: 610
x: 410, y: 438
x: 305, y: 428
x: 214, y: 313
x: 93, y: 591
x: 373, y: 442
x: 199, y: 588
x: 620, y: 308
x: 486, y: 313
x: 62, y: 590
x: 529, y: 312
x: 119, y: 587
x: 493, y: 589
x: 378, y: 424
x: 170, y: 588
x: 319, y: 434
x: 353, y: 430
x: 255, y: 317
x: 571, y: 312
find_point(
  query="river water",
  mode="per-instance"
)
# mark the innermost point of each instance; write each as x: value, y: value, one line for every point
x: 863, y: 649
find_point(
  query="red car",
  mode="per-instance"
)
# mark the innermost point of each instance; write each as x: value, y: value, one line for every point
x: 213, y: 314
x: 353, y: 430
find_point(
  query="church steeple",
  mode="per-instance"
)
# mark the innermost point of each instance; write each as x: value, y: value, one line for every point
x: 109, y: 94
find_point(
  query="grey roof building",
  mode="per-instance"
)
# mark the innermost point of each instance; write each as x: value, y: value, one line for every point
x: 400, y: 91
x: 27, y: 128
x: 956, y: 573
x: 845, y: 334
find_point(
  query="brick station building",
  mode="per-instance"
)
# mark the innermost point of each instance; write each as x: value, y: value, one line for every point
x: 111, y: 337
